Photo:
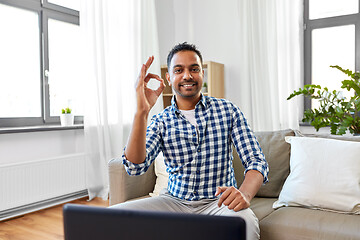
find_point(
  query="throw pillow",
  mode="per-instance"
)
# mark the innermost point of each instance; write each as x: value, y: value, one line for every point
x: 161, y: 175
x: 324, y: 174
x: 277, y: 154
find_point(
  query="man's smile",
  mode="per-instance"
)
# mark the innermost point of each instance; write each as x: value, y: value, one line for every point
x: 188, y: 85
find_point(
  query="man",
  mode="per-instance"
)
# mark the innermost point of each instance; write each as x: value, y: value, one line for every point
x: 195, y: 135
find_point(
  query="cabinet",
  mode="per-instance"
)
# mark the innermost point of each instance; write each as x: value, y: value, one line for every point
x: 213, y: 77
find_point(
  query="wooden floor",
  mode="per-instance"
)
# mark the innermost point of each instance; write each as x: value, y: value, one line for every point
x: 46, y: 224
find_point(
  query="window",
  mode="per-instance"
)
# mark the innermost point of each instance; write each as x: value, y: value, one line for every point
x: 332, y: 37
x: 39, y: 61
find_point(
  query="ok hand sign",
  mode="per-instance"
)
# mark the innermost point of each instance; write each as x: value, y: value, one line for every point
x: 146, y: 97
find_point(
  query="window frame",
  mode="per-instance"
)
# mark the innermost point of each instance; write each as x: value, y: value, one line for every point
x: 45, y: 10
x: 309, y: 25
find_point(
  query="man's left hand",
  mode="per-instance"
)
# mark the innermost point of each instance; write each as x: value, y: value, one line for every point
x: 233, y: 198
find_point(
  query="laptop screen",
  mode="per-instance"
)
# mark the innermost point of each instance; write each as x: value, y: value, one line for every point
x: 88, y: 222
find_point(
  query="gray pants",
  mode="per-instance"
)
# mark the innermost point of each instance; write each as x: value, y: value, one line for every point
x: 167, y: 203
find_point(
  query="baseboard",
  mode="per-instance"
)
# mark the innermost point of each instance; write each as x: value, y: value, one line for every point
x: 18, y: 211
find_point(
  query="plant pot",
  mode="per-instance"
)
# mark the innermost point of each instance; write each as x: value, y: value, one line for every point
x: 67, y: 119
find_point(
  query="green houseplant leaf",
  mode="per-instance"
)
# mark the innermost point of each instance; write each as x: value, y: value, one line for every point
x: 66, y: 110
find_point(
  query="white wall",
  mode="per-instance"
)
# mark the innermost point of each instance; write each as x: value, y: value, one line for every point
x: 27, y: 147
x: 40, y: 166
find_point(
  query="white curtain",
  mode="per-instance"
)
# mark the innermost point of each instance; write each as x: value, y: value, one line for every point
x: 118, y: 36
x: 271, y: 49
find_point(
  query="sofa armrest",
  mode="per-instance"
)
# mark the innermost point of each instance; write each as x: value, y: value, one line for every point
x: 124, y: 187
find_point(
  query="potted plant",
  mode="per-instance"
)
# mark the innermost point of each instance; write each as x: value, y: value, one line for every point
x: 66, y: 117
x: 336, y: 111
x: 204, y: 88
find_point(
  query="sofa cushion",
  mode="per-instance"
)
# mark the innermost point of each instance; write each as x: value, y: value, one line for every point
x: 325, y: 173
x: 277, y: 154
x: 262, y: 207
x: 302, y: 223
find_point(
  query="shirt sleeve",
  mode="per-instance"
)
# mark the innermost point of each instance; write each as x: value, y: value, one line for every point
x: 153, y: 147
x: 247, y: 146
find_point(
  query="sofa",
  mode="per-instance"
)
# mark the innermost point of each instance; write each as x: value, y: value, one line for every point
x: 281, y: 215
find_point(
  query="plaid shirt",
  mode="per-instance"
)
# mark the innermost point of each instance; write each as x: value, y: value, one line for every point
x: 200, y: 159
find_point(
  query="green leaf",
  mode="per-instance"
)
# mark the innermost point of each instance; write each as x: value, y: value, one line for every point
x: 66, y: 110
x: 341, y: 130
x: 356, y: 76
x: 333, y: 129
x: 347, y: 71
x: 350, y: 84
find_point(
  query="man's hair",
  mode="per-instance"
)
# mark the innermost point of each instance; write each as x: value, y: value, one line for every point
x: 183, y: 47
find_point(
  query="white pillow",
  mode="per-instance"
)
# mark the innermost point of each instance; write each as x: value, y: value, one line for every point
x: 324, y: 174
x: 161, y: 175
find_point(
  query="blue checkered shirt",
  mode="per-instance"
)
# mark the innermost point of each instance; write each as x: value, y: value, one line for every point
x: 200, y: 159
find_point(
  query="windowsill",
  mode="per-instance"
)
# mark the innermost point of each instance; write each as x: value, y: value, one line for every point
x: 39, y: 128
x: 304, y: 124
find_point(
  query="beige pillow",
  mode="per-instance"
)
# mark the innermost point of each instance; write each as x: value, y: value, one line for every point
x: 325, y: 174
x: 277, y: 154
x: 161, y: 175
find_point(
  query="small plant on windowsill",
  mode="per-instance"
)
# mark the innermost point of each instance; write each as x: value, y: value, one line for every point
x: 336, y: 111
x: 204, y: 88
x: 66, y: 117
x: 66, y: 111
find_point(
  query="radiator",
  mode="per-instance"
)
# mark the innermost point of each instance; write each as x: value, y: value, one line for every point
x: 25, y: 187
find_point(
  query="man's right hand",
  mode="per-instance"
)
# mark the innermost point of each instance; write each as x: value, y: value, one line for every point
x: 146, y: 97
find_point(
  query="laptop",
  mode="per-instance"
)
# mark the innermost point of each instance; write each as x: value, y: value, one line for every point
x: 88, y: 222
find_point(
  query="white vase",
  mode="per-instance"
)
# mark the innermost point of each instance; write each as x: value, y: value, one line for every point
x: 67, y: 119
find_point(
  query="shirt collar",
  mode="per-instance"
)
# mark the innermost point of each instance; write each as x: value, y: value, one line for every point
x: 176, y: 110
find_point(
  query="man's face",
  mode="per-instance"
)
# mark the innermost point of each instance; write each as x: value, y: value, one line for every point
x: 186, y: 74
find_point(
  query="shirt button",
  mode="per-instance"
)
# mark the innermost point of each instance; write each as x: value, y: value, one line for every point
x: 195, y: 192
x: 194, y: 134
x: 199, y: 150
x: 197, y: 171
